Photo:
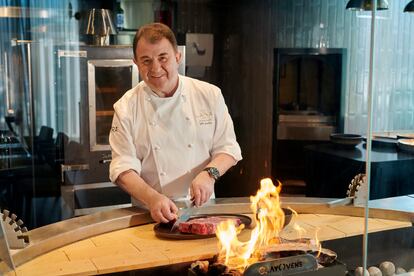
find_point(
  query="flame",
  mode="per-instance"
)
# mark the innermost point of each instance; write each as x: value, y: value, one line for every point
x: 317, y: 242
x: 299, y: 230
x: 269, y: 219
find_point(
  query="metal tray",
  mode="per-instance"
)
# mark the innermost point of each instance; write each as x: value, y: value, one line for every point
x: 382, y: 143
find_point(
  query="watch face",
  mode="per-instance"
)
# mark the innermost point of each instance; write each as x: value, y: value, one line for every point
x: 213, y: 172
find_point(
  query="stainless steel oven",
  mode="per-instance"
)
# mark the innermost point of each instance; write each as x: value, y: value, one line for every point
x: 90, y: 80
x: 308, y: 106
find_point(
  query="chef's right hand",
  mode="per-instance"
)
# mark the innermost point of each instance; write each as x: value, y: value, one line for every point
x: 162, y: 208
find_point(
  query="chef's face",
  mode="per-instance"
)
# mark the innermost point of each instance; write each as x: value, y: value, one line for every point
x: 158, y: 65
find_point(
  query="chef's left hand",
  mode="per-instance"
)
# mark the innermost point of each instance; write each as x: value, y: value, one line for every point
x: 202, y: 188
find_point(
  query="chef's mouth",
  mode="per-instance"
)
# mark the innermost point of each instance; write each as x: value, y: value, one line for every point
x: 156, y: 77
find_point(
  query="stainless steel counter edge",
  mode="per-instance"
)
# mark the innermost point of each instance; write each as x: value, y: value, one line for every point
x: 53, y: 236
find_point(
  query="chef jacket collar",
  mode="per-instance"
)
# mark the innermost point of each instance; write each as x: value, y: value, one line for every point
x: 154, y: 95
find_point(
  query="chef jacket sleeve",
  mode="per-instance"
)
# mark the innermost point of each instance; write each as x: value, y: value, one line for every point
x: 123, y: 150
x: 224, y: 139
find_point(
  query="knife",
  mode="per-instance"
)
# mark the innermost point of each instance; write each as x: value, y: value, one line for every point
x: 186, y: 213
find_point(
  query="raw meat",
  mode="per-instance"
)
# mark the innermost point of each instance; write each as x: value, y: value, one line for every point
x: 204, y: 226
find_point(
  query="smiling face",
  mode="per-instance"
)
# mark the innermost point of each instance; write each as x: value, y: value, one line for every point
x: 158, y: 65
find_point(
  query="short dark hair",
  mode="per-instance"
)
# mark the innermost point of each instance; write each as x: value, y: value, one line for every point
x: 153, y: 33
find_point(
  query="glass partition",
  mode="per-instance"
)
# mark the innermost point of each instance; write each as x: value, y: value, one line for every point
x: 29, y: 124
x: 392, y: 126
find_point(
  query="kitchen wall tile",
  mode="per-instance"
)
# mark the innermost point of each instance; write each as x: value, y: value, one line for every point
x: 393, y: 54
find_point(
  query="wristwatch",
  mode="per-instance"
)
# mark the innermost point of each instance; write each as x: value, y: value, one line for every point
x: 213, y: 172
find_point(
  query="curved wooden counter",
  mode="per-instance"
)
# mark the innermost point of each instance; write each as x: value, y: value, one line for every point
x: 82, y: 246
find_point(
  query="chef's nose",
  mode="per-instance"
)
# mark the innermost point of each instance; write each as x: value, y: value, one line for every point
x: 156, y: 66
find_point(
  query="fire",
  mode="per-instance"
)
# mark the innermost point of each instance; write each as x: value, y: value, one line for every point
x: 269, y: 220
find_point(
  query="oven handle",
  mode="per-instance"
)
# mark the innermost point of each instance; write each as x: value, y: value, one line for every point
x: 72, y: 167
x: 106, y: 160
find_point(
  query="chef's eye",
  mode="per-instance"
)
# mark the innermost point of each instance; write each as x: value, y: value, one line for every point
x: 163, y: 59
x: 146, y: 62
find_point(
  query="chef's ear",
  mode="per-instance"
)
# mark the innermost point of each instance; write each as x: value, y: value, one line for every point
x: 178, y: 57
x: 135, y: 61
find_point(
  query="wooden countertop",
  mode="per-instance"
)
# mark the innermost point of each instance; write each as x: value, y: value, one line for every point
x: 138, y: 248
x: 123, y: 239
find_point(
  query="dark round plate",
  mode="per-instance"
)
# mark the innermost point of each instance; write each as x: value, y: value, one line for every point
x: 406, y: 145
x: 345, y: 140
x: 405, y: 136
x: 163, y: 230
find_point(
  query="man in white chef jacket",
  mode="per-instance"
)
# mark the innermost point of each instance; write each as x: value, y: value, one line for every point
x: 171, y: 135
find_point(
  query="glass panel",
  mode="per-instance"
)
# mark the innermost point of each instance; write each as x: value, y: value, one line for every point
x: 108, y: 79
x: 391, y: 185
x: 307, y: 158
x: 29, y: 171
x: 111, y: 83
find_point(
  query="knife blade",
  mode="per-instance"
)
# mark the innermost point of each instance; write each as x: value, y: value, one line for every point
x: 185, y: 214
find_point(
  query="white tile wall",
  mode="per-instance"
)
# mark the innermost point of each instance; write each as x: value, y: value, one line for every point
x: 297, y: 24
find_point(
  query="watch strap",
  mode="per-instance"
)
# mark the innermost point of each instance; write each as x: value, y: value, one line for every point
x: 213, y: 172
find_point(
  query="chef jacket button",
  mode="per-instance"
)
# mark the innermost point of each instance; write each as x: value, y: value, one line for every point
x: 187, y: 118
x: 163, y: 174
x: 153, y: 123
x: 190, y: 145
x: 157, y: 148
x: 148, y: 99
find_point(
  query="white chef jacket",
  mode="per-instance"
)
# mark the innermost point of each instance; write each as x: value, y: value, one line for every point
x: 168, y: 141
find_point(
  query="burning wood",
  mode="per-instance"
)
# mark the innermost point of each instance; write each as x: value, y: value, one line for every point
x: 276, y: 260
x: 204, y: 268
x: 289, y: 247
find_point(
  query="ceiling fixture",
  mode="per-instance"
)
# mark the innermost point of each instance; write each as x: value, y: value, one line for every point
x: 409, y: 7
x: 366, y: 5
x: 100, y: 25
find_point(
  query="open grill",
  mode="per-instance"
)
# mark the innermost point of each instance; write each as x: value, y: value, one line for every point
x: 266, y: 252
x: 287, y: 258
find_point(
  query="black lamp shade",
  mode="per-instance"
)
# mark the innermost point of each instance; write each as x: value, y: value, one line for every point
x: 409, y: 7
x: 366, y: 5
x: 100, y: 22
x: 100, y: 25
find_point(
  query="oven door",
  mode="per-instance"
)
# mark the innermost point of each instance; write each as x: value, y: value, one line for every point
x: 108, y: 79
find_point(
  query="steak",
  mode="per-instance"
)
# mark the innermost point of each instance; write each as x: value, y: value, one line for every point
x: 204, y: 226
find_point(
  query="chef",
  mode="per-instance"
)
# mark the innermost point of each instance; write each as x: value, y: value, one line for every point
x: 171, y: 136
